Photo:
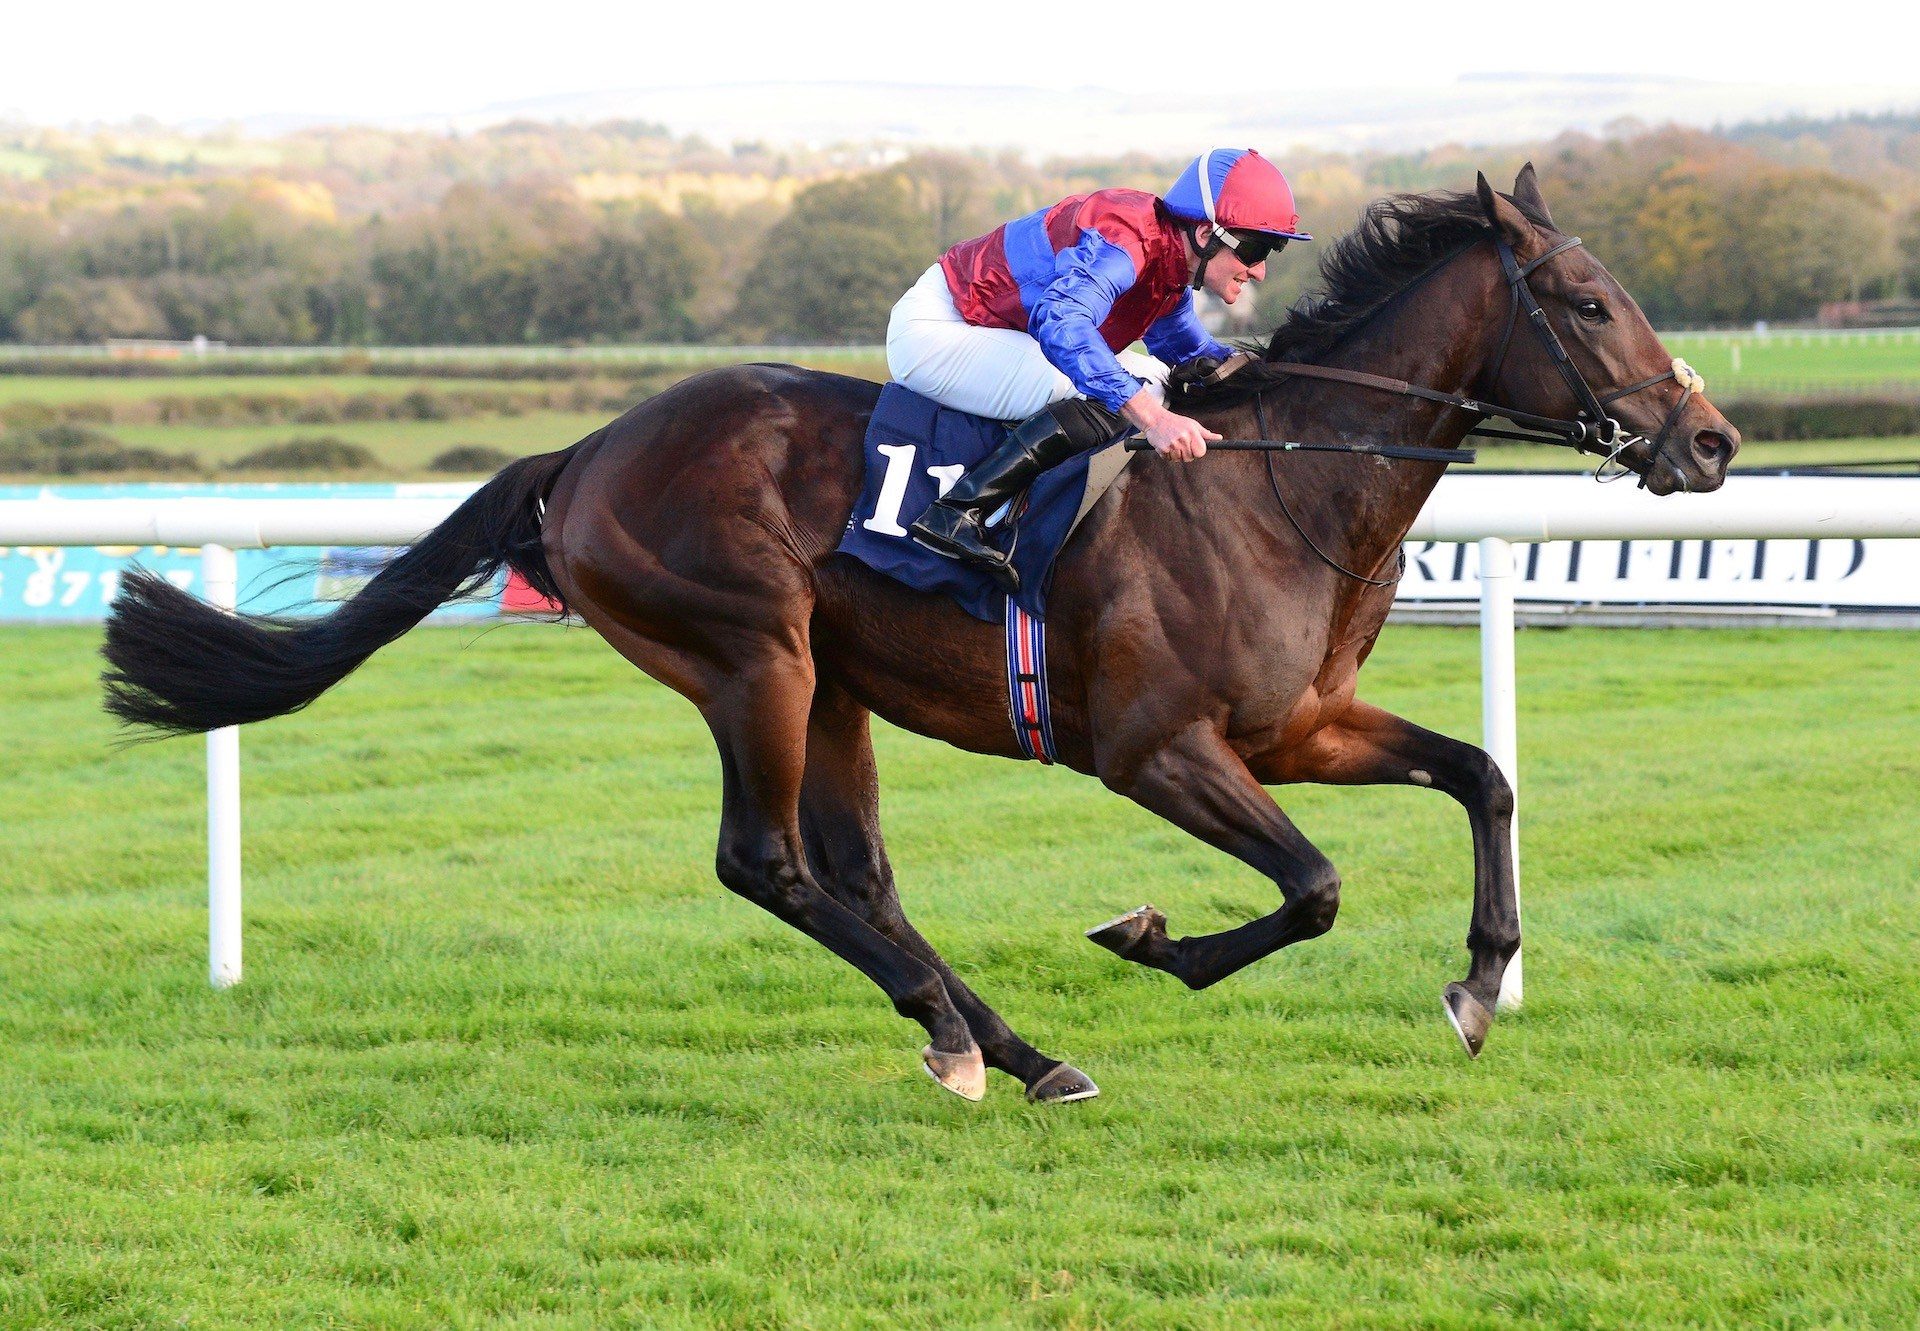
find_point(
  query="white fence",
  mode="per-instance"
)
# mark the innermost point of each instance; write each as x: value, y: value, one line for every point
x: 1497, y: 512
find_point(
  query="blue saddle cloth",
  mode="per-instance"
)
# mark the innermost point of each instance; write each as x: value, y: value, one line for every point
x: 912, y: 443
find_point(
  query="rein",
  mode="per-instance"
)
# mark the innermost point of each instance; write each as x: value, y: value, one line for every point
x: 1591, y: 429
x: 1447, y: 455
x: 1273, y: 483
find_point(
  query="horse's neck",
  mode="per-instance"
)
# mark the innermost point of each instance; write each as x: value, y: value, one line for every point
x: 1438, y: 336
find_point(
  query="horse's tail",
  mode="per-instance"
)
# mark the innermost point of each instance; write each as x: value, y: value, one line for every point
x: 179, y: 665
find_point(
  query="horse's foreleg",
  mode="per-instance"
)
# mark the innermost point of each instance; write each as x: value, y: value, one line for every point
x: 1198, y: 783
x: 1368, y: 746
x: 758, y: 715
x: 840, y: 821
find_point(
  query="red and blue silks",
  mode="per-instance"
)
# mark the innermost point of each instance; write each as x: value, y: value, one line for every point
x: 1087, y: 277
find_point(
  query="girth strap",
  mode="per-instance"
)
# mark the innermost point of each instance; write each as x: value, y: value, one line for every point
x: 1027, y: 702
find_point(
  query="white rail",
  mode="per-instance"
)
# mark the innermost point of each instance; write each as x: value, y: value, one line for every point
x: 1495, y: 511
x: 238, y: 524
x: 219, y: 527
x: 1524, y: 509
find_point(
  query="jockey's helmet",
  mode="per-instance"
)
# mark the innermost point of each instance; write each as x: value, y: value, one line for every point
x: 1244, y: 197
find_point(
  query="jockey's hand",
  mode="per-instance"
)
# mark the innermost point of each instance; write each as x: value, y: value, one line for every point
x: 1173, y: 436
x: 1179, y: 438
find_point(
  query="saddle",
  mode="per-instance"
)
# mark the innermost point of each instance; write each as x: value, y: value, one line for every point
x: 915, y: 448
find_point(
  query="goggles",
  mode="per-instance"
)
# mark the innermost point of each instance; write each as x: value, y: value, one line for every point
x: 1253, y: 247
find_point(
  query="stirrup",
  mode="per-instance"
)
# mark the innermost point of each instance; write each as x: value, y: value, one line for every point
x: 995, y: 563
x: 954, y: 525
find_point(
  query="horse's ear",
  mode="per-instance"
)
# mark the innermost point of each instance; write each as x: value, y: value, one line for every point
x: 1508, y: 220
x: 1526, y: 193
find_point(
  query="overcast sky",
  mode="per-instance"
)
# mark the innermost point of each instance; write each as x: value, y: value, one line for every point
x: 109, y: 60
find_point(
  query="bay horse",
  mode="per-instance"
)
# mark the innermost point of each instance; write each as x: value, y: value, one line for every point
x: 1203, y: 645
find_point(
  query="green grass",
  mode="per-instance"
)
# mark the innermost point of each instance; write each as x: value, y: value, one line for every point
x: 403, y: 447
x: 1754, y: 455
x: 1785, y: 360
x: 62, y: 390
x: 507, y: 1055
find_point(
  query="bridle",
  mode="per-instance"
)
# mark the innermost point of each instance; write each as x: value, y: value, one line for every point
x: 1593, y: 429
x: 1590, y: 430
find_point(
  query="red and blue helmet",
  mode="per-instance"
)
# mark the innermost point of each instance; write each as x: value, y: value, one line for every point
x: 1238, y: 191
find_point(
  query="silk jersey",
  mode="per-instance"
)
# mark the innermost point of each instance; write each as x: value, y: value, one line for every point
x: 1086, y: 278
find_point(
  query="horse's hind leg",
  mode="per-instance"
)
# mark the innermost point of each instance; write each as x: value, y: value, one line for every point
x: 1201, y: 785
x: 840, y: 821
x: 1368, y: 746
x: 758, y: 714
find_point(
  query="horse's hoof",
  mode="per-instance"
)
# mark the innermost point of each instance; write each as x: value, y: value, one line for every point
x: 1063, y: 1085
x: 963, y: 1074
x: 1468, y: 1016
x: 1123, y: 935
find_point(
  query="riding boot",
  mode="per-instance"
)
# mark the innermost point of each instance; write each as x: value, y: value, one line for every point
x: 955, y: 524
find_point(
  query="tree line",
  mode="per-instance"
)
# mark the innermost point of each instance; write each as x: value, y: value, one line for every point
x: 1702, y: 228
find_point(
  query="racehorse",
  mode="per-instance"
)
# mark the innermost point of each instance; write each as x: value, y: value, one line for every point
x: 1207, y: 622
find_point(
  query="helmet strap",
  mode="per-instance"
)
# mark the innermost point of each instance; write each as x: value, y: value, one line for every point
x: 1215, y: 243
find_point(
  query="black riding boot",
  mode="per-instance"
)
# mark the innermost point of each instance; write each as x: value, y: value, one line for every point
x: 954, y: 525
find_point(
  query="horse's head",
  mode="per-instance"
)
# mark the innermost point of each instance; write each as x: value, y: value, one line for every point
x: 1668, y: 432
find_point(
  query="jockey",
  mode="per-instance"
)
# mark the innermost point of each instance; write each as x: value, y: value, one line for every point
x: 1029, y: 322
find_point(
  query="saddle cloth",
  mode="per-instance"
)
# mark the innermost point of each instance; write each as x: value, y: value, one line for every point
x: 915, y: 450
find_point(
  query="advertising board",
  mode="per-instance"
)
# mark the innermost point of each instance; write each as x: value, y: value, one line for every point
x: 46, y: 584
x: 1839, y: 573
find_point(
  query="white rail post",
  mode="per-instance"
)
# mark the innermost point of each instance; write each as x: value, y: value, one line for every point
x: 219, y: 578
x: 1499, y: 721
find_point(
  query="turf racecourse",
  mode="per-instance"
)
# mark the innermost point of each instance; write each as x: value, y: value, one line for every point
x: 507, y: 1055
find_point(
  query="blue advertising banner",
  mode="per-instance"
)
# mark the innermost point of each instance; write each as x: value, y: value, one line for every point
x: 40, y: 584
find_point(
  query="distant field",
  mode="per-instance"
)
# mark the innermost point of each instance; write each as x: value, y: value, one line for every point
x: 1784, y: 361
x: 403, y: 447
x: 869, y: 363
x: 1787, y: 356
x: 507, y: 1055
x: 60, y: 390
x: 1779, y: 360
x: 406, y: 447
x: 1808, y: 453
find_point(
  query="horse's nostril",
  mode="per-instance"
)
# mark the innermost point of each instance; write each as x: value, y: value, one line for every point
x: 1713, y: 448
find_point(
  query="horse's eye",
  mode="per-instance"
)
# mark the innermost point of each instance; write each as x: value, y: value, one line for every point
x: 1591, y: 309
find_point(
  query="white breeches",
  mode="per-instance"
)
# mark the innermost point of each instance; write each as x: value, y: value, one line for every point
x: 1000, y: 373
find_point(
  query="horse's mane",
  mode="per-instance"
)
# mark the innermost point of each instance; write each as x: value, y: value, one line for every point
x: 1398, y: 240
